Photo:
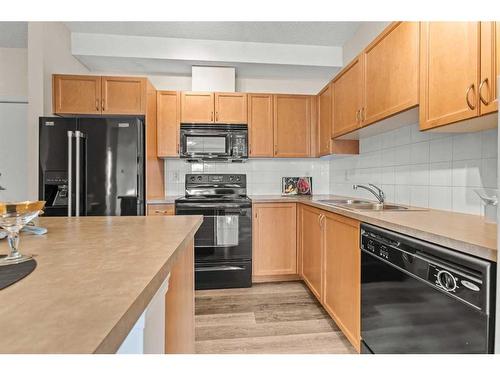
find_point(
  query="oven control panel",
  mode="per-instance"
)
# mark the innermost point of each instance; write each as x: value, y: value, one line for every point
x: 210, y: 179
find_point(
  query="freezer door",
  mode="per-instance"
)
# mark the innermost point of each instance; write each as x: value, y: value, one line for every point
x: 113, y: 166
x: 54, y: 154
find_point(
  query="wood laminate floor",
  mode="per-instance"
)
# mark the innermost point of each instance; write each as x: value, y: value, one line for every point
x: 268, y: 318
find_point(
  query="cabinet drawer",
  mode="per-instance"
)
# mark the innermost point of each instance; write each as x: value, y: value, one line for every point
x: 161, y: 209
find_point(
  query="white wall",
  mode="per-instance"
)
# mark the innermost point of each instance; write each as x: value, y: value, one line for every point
x: 49, y: 51
x: 263, y: 175
x: 257, y: 85
x: 13, y: 74
x: 13, y: 123
x: 361, y: 38
x: 432, y: 170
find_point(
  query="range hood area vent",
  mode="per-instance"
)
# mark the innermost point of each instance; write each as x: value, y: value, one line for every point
x: 213, y: 78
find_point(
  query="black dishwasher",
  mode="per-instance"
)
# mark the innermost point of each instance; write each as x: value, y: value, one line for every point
x: 417, y: 297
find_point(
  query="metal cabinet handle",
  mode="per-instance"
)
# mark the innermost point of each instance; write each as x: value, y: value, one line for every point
x: 97, y: 104
x: 216, y: 116
x: 471, y: 105
x: 363, y: 114
x: 161, y: 212
x: 357, y: 115
x: 103, y: 105
x: 212, y: 116
x: 485, y: 102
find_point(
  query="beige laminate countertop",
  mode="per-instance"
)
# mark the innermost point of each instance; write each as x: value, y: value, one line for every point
x: 469, y: 234
x: 95, y: 276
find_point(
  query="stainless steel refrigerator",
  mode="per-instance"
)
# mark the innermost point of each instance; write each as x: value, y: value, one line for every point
x: 91, y: 166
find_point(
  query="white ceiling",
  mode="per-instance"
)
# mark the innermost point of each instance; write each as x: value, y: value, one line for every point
x: 13, y: 34
x: 308, y: 33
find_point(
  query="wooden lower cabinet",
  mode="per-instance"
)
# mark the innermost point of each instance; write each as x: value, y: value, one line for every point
x: 342, y: 275
x: 311, y: 240
x: 179, y: 305
x: 160, y: 210
x: 274, y: 241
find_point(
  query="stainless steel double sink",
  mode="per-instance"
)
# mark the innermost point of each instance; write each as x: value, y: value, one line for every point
x: 362, y: 205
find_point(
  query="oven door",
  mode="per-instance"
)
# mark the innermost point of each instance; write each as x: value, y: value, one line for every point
x: 205, y: 143
x: 226, y: 231
x: 401, y: 314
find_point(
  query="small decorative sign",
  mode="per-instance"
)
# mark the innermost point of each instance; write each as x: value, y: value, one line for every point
x: 296, y: 186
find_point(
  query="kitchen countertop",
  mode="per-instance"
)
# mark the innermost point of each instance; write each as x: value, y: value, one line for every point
x: 95, y: 276
x: 169, y: 199
x: 466, y: 233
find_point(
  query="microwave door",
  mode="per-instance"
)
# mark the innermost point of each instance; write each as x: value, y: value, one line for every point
x: 211, y: 145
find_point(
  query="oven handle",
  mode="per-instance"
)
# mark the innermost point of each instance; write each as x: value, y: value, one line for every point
x: 212, y: 205
x: 219, y: 268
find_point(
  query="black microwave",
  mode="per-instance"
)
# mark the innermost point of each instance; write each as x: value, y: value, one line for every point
x: 221, y: 142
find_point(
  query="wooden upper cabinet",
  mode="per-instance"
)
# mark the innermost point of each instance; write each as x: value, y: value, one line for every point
x: 449, y: 72
x: 168, y: 123
x: 311, y: 239
x: 348, y: 98
x: 391, y: 64
x: 325, y: 120
x: 197, y: 107
x: 342, y: 279
x: 274, y: 239
x: 490, y: 63
x: 123, y: 95
x: 292, y: 126
x: 260, y: 125
x: 76, y: 94
x: 230, y: 108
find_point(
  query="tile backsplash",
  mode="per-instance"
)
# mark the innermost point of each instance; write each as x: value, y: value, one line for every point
x: 434, y: 170
x: 263, y: 175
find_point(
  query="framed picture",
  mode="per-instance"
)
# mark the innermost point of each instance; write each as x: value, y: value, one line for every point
x: 296, y: 186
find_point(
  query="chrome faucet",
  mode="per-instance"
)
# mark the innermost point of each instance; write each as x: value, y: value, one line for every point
x: 375, y: 190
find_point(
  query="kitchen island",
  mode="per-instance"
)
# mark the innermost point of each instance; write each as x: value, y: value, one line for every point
x: 94, y: 279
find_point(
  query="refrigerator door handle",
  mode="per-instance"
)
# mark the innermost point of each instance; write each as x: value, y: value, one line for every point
x: 78, y: 136
x: 70, y: 167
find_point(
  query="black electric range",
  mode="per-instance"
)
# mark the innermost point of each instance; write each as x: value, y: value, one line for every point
x: 223, y: 244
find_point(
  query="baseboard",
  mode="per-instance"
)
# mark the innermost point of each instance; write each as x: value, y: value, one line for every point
x: 274, y: 278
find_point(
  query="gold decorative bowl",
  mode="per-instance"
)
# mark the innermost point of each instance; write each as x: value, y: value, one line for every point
x: 13, y: 217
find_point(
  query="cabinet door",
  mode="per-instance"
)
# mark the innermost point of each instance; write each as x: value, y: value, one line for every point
x: 311, y: 249
x: 197, y: 107
x: 230, y: 108
x: 260, y: 125
x: 292, y: 126
x: 161, y: 210
x: 342, y: 285
x: 449, y: 72
x: 325, y: 120
x: 168, y: 122
x: 123, y: 96
x: 489, y: 67
x: 391, y: 72
x: 347, y: 98
x: 76, y: 94
x: 274, y: 239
